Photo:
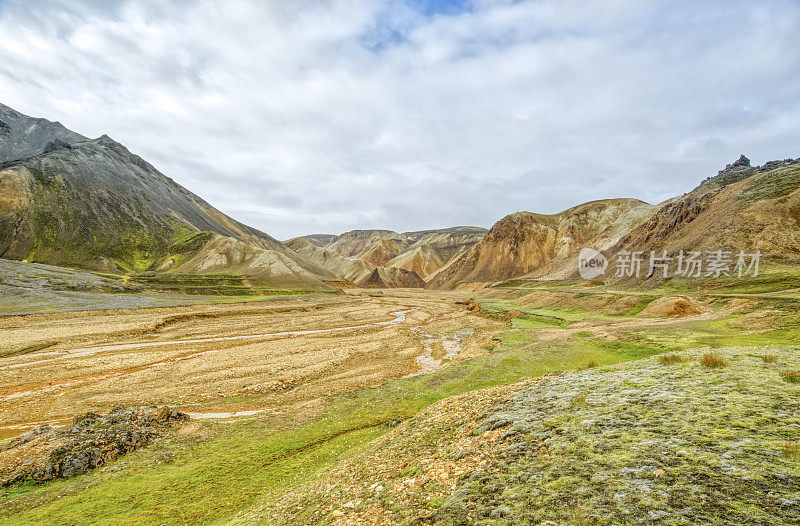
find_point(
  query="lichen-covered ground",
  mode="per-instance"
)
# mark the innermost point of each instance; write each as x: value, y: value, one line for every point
x: 645, y: 442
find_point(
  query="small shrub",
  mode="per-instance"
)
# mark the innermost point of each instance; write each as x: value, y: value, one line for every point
x: 591, y: 364
x: 769, y: 358
x: 668, y: 359
x: 712, y: 360
x: 793, y: 377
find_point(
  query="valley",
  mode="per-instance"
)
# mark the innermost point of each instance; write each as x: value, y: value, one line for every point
x: 309, y: 388
x: 163, y: 363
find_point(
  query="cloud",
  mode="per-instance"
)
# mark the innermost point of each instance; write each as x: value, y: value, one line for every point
x: 320, y: 116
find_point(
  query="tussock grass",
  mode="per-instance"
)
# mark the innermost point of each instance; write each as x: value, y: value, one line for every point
x: 793, y: 377
x: 712, y: 360
x: 769, y: 358
x: 667, y: 359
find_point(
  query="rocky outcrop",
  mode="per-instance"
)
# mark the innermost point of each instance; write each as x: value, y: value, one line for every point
x: 47, y: 453
x: 741, y: 169
x: 55, y: 145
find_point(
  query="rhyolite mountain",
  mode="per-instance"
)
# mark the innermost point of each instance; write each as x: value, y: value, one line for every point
x: 743, y: 207
x: 90, y: 203
x: 357, y: 271
x: 421, y: 252
x: 524, y: 241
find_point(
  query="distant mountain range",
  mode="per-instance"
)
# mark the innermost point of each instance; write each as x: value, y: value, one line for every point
x: 70, y: 201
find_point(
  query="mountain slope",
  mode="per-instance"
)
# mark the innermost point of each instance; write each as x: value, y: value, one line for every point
x: 355, y: 242
x: 22, y: 136
x: 350, y: 269
x: 422, y: 259
x: 447, y: 242
x: 93, y: 204
x: 320, y: 240
x: 742, y: 208
x: 525, y: 242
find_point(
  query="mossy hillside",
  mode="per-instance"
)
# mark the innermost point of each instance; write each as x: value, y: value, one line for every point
x: 776, y: 274
x: 669, y: 443
x: 72, y: 236
x: 772, y: 185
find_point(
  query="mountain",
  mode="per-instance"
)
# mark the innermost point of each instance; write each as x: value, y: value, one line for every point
x: 422, y: 259
x: 348, y: 268
x: 447, y: 242
x: 375, y: 246
x: 743, y: 207
x: 355, y: 270
x: 90, y: 203
x: 525, y: 242
x: 320, y: 240
x: 392, y: 277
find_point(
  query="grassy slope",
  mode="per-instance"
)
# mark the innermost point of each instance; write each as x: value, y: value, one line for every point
x: 240, y: 463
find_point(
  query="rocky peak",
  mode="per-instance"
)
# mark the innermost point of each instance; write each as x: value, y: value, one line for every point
x: 740, y: 167
x: 741, y: 161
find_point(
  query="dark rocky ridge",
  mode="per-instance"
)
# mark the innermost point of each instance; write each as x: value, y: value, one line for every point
x: 25, y: 136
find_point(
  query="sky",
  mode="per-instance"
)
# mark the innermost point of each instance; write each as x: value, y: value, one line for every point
x: 312, y: 116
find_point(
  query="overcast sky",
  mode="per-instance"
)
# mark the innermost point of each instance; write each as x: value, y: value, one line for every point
x: 301, y: 116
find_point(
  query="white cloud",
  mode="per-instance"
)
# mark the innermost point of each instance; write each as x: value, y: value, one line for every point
x: 320, y: 116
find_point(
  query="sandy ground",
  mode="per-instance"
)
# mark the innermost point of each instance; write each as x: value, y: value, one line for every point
x: 219, y: 358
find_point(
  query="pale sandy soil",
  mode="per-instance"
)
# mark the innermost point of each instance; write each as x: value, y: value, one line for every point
x: 219, y: 358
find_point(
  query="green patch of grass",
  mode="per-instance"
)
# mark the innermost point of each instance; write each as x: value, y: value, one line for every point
x: 535, y: 321
x: 205, y: 483
x: 793, y: 377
